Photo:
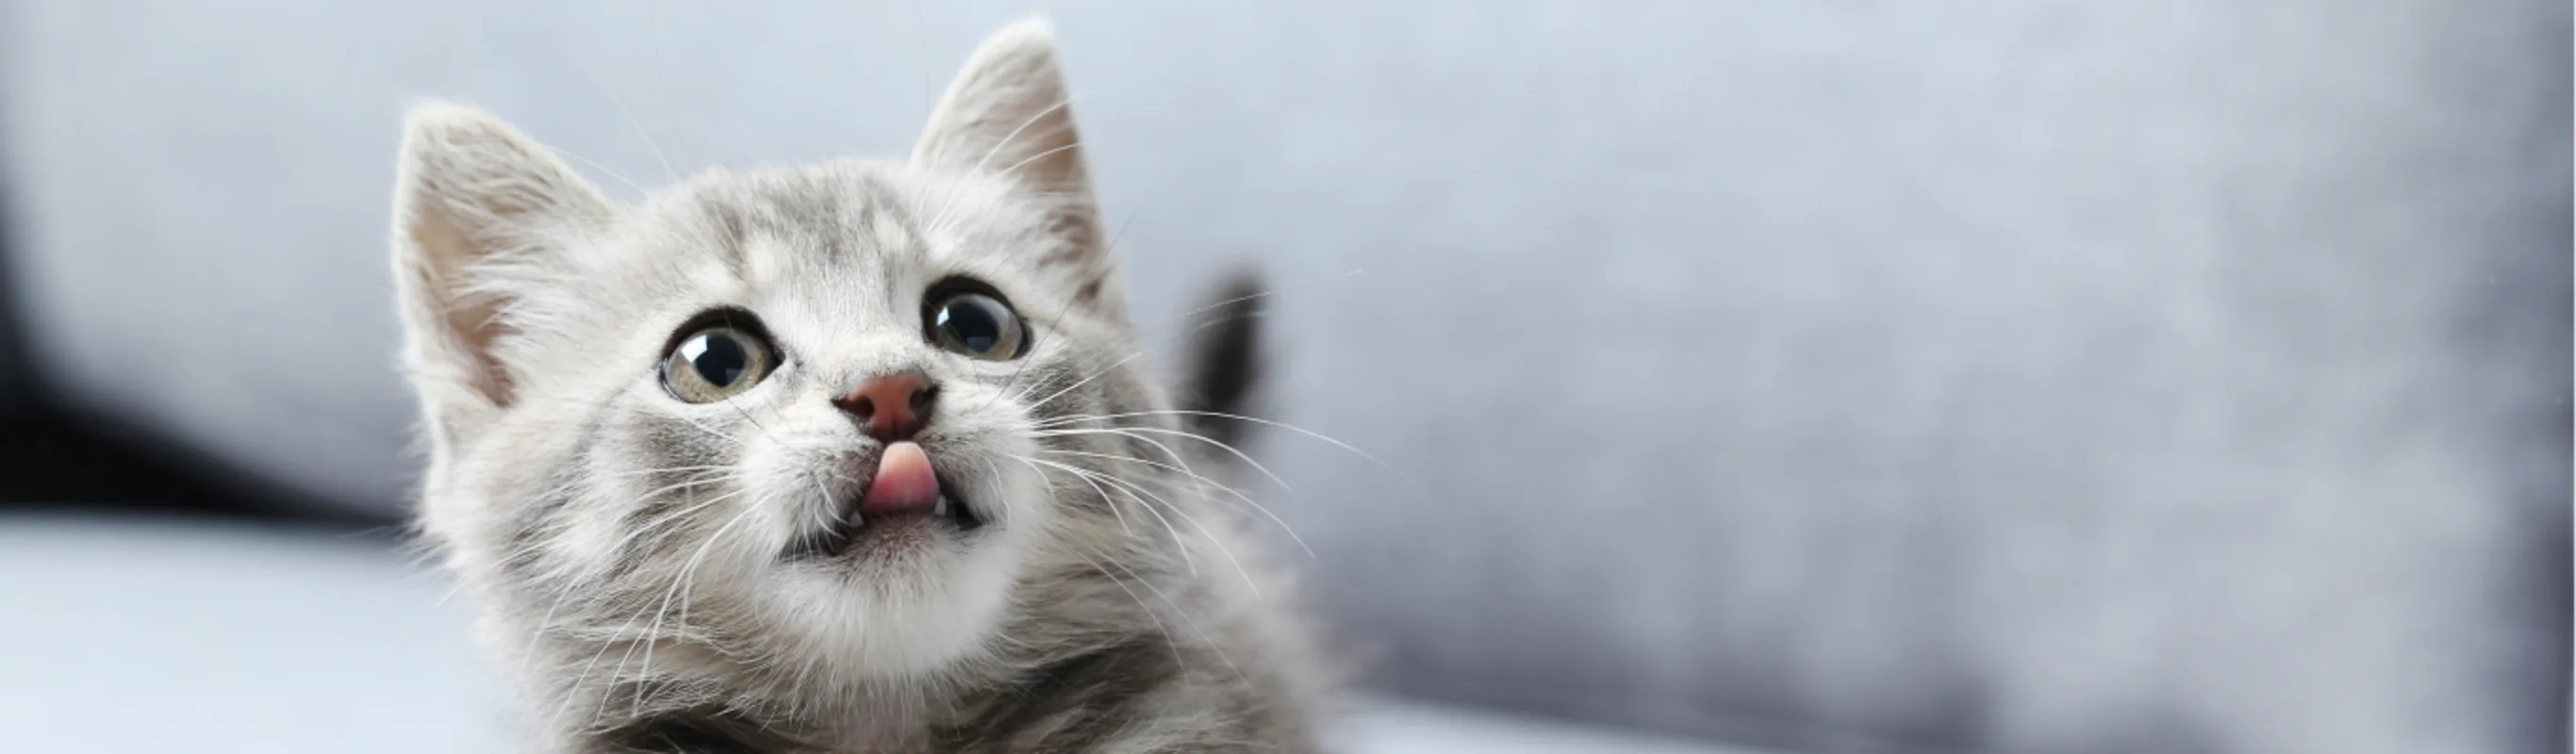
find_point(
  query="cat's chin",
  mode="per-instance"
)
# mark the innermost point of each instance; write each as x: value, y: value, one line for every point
x: 909, y: 600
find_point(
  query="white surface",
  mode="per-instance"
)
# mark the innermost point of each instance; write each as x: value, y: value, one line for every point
x: 1396, y: 727
x: 166, y: 635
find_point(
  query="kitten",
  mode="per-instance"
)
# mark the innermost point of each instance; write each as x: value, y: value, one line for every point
x: 840, y: 458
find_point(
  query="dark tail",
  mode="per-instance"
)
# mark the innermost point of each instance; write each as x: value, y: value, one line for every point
x: 1222, y: 360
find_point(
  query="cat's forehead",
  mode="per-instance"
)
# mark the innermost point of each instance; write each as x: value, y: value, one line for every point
x: 841, y: 212
x: 777, y: 225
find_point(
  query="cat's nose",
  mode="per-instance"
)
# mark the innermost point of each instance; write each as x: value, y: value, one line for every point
x: 892, y: 407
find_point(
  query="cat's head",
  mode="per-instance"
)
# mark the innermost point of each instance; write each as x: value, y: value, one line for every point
x: 828, y: 412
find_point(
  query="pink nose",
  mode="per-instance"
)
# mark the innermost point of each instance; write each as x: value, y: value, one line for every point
x: 891, y: 407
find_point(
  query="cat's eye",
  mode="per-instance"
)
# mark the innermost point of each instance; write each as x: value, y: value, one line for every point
x: 712, y: 361
x: 972, y: 320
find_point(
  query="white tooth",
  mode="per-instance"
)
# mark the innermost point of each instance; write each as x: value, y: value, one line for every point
x: 940, y: 508
x: 855, y: 521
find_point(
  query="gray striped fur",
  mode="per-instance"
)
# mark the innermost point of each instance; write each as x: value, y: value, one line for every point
x: 630, y: 551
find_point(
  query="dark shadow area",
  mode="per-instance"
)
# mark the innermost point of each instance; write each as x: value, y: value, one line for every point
x: 48, y: 460
x: 51, y: 460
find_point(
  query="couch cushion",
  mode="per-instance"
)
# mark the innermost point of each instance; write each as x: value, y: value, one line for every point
x: 192, y: 635
x: 2036, y: 376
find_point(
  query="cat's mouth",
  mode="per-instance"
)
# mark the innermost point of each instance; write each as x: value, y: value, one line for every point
x: 905, y: 497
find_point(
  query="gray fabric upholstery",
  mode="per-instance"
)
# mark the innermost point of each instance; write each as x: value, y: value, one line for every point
x: 155, y: 636
x: 1992, y: 375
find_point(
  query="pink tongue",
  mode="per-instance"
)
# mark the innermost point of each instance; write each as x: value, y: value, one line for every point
x: 904, y: 483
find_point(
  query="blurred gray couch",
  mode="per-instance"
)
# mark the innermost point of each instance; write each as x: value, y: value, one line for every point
x: 1988, y: 376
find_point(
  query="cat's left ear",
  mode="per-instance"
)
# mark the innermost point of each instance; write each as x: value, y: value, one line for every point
x: 1009, y: 114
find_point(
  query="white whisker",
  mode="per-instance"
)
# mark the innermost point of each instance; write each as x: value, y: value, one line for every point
x: 1203, y: 481
x: 688, y: 571
x: 1134, y: 489
x: 1134, y: 433
x: 1236, y: 417
x: 1112, y: 501
x: 1178, y: 612
x: 1041, y: 403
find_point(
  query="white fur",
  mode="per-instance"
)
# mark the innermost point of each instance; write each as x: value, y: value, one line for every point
x: 632, y: 551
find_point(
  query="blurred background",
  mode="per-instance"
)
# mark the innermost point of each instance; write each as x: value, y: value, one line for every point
x: 1782, y: 376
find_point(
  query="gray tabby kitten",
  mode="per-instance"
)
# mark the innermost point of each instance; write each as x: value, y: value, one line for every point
x: 841, y: 458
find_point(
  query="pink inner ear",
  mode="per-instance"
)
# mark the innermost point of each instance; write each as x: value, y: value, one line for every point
x: 904, y: 482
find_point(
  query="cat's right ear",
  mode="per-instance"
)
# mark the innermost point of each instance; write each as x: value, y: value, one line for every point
x: 472, y: 198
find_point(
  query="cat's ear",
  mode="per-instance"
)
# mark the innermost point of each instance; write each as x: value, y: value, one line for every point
x: 1009, y: 113
x: 472, y: 197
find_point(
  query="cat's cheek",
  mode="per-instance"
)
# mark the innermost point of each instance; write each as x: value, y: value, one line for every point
x: 1027, y: 507
x: 759, y: 525
x: 592, y: 536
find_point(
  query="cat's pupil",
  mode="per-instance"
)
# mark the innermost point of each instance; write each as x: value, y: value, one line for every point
x: 718, y: 359
x: 976, y: 327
